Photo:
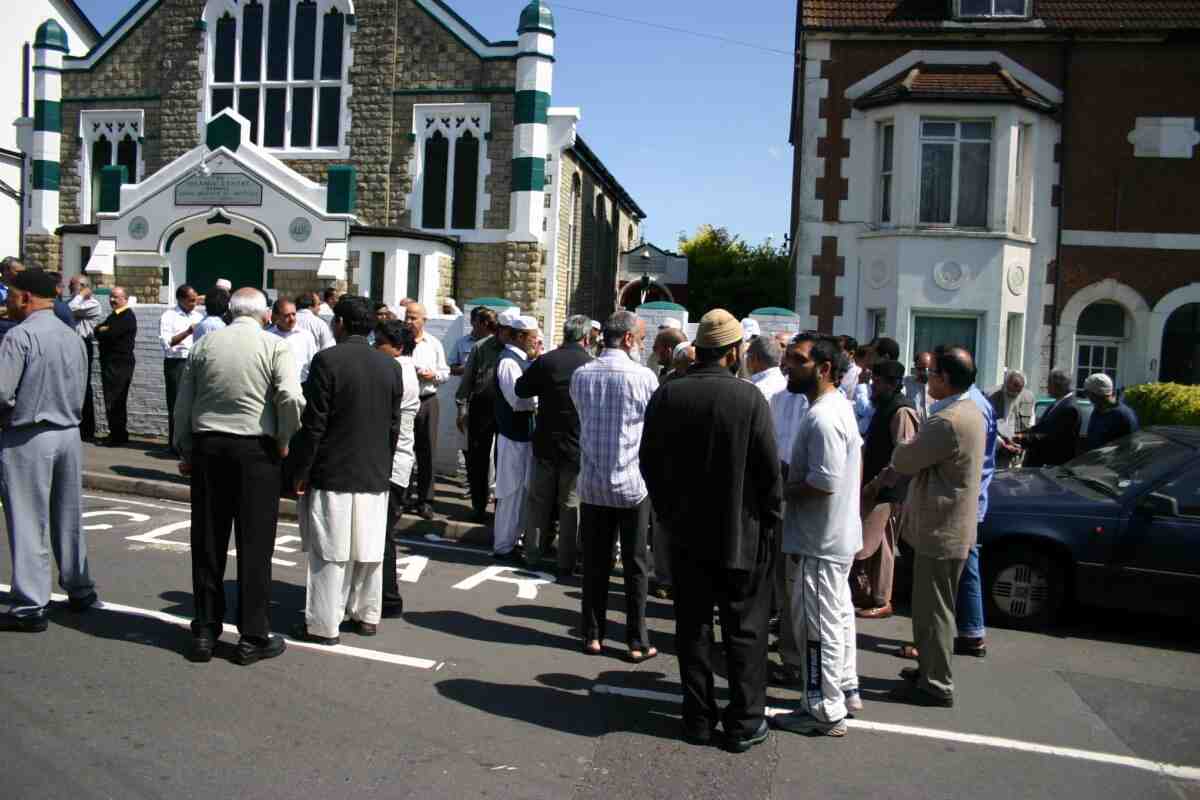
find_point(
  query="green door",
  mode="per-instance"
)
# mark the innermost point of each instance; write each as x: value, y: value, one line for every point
x: 238, y: 260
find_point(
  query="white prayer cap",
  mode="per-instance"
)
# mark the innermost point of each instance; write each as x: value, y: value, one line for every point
x: 750, y: 329
x: 524, y: 324
x: 506, y: 317
x: 596, y: 325
x: 1099, y: 384
x: 670, y: 323
x: 681, y: 349
x: 223, y: 283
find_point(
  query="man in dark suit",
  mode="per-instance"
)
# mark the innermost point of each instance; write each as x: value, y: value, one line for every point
x: 117, y: 336
x: 1055, y: 439
x: 342, y: 469
x: 555, y: 448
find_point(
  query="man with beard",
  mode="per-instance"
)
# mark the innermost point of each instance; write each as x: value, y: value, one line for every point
x: 895, y: 421
x: 514, y: 449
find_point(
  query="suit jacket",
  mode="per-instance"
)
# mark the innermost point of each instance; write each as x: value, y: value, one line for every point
x: 354, y: 395
x: 556, y: 437
x: 117, y: 336
x: 945, y: 461
x: 1055, y: 439
x: 709, y: 458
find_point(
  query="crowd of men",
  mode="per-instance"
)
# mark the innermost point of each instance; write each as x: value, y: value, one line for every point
x: 772, y: 478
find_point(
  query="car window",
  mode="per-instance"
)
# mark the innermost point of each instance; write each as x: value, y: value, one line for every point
x: 1130, y: 463
x: 1186, y: 491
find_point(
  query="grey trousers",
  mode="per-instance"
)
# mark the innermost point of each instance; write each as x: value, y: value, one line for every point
x: 40, y: 482
x: 553, y: 485
x: 935, y: 587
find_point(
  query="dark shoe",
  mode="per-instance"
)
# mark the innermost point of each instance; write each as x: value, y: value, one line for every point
x: 300, y: 633
x: 910, y: 674
x: 393, y: 610
x: 364, y: 628
x: 969, y: 646
x: 511, y: 557
x: 201, y: 651
x: 737, y: 744
x: 804, y: 723
x: 34, y: 624
x: 882, y: 612
x: 701, y: 734
x: 425, y: 512
x: 254, y: 649
x: 914, y: 695
x: 786, y: 676
x: 81, y: 604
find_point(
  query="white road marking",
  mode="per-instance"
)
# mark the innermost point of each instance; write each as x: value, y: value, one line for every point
x: 462, y: 548
x: 339, y: 650
x: 132, y: 516
x: 526, y: 587
x: 1175, y: 771
x: 123, y: 501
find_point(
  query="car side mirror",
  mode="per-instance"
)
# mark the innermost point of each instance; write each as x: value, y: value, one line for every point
x: 1159, y: 505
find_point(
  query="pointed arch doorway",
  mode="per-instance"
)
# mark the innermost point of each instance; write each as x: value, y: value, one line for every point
x: 232, y: 257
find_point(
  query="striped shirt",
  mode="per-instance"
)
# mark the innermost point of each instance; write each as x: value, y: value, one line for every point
x: 611, y: 395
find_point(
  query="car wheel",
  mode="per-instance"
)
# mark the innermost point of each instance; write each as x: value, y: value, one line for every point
x: 1023, y: 588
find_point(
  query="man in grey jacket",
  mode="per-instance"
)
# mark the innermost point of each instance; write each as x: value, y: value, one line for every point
x: 43, y: 368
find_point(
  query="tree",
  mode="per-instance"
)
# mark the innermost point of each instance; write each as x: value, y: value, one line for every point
x: 725, y: 272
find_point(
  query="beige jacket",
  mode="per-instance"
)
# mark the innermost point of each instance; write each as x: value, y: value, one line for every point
x: 945, y: 461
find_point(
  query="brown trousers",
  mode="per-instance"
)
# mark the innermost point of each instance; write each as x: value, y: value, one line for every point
x: 875, y: 564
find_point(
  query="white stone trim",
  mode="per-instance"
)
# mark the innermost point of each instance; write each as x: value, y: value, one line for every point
x: 438, y: 112
x: 971, y: 57
x: 110, y: 119
x: 1143, y: 241
x: 1135, y: 366
x: 1170, y: 303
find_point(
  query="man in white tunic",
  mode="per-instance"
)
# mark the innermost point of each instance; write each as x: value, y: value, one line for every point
x: 343, y: 466
x: 514, y: 451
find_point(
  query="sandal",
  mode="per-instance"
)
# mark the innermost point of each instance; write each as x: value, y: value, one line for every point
x: 588, y: 651
x: 639, y: 656
x: 908, y: 651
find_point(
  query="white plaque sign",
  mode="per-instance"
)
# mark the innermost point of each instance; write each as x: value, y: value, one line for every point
x: 219, y: 189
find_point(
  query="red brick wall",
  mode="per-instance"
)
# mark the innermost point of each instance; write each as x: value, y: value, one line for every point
x: 1152, y: 273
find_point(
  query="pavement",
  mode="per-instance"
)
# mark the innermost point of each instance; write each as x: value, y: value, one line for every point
x: 481, y: 690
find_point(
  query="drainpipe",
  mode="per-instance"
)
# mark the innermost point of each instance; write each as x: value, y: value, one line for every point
x: 22, y: 195
x: 1062, y: 203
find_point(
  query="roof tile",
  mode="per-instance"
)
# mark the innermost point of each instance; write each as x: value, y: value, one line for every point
x: 1059, y: 15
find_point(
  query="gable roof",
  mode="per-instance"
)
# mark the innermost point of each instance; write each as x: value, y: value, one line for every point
x: 976, y: 83
x: 70, y: 8
x: 1065, y: 16
x: 604, y: 177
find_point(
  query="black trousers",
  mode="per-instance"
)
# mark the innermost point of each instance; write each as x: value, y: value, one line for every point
x: 599, y: 527
x: 392, y: 601
x: 87, y: 425
x: 172, y: 374
x: 115, y: 379
x: 425, y: 435
x: 744, y: 601
x: 235, y: 482
x: 481, y: 435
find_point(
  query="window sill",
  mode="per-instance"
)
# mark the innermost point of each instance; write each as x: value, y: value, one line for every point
x: 944, y: 233
x: 332, y: 154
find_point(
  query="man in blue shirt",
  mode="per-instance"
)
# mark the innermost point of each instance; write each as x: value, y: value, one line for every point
x: 969, y: 615
x: 1111, y: 419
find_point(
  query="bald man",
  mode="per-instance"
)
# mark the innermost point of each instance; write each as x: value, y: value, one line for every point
x: 916, y: 385
x: 429, y: 359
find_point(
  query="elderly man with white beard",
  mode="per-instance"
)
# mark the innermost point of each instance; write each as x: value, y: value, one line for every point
x: 514, y: 448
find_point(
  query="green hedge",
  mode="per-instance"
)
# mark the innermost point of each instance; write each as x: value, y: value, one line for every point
x: 1165, y: 403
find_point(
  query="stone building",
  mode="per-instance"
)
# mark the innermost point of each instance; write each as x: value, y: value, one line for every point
x: 381, y: 146
x: 1013, y: 175
x: 660, y: 274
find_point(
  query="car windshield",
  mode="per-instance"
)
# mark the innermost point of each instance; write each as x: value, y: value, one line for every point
x: 1128, y: 464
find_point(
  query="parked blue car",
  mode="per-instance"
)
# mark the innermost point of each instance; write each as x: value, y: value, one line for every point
x: 1118, y: 527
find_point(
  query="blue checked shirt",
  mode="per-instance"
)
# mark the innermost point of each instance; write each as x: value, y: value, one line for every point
x: 611, y: 395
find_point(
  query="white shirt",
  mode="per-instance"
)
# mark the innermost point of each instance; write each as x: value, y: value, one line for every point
x: 86, y: 324
x: 207, y: 326
x: 429, y: 354
x: 787, y: 410
x: 850, y: 381
x: 319, y: 329
x: 303, y: 347
x: 410, y: 404
x: 770, y: 382
x: 513, y: 459
x: 827, y: 455
x: 325, y: 313
x: 174, y: 322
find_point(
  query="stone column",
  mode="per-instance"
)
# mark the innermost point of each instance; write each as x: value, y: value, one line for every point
x: 41, y: 243
x: 531, y: 133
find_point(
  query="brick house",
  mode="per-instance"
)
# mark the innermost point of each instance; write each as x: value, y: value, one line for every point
x: 381, y: 146
x: 1008, y: 174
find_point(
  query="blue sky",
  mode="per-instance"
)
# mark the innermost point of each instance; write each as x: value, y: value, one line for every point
x: 695, y: 129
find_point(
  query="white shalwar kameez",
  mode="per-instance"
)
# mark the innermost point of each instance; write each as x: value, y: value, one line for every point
x: 514, y: 461
x: 343, y: 534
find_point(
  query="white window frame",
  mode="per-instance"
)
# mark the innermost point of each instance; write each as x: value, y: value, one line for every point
x: 930, y: 313
x: 113, y: 123
x: 993, y: 14
x: 462, y: 117
x: 1022, y: 185
x: 957, y: 143
x: 881, y: 173
x: 1098, y: 341
x: 216, y: 9
x: 1014, y: 341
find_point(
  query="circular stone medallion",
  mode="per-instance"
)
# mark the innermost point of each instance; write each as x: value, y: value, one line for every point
x: 878, y: 274
x: 300, y: 229
x: 949, y: 275
x: 138, y: 228
x: 1016, y: 279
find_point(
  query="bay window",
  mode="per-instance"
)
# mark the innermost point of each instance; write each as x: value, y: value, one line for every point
x: 955, y: 172
x: 887, y: 155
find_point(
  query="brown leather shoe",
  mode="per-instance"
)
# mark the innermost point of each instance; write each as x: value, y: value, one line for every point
x: 364, y: 628
x: 883, y: 612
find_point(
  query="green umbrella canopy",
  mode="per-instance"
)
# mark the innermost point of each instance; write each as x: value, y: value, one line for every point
x: 774, y: 311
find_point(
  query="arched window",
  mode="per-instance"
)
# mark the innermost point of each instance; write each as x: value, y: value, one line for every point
x: 109, y: 137
x: 282, y: 65
x: 573, y: 236
x: 449, y: 165
x: 1099, y: 336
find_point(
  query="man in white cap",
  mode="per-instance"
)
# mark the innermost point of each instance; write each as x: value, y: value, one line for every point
x: 593, y: 341
x: 514, y: 426
x: 224, y: 283
x: 1111, y: 419
x: 671, y: 324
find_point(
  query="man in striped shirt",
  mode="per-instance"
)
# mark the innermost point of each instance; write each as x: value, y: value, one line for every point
x: 611, y: 395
